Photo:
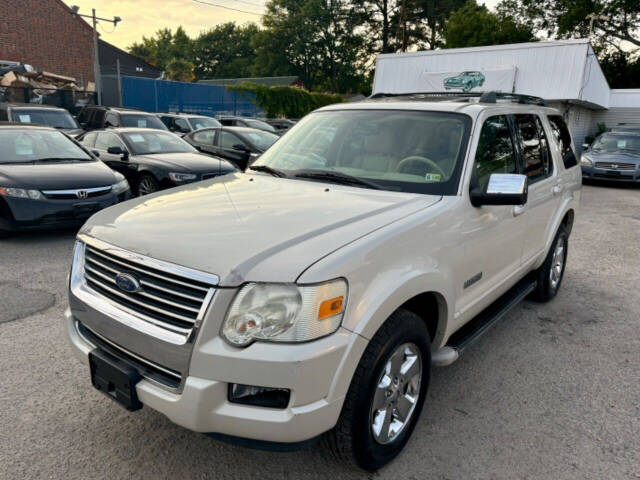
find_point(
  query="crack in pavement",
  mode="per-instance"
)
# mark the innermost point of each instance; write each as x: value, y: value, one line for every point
x: 19, y: 302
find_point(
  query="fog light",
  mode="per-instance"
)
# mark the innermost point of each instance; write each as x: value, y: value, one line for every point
x: 259, y: 396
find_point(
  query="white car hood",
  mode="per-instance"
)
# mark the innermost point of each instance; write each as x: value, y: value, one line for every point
x: 250, y: 227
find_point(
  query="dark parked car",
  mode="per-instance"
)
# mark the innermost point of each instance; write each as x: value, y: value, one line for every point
x: 613, y: 156
x: 152, y: 160
x: 96, y: 118
x: 47, y: 115
x: 49, y: 181
x: 247, y: 122
x: 281, y: 124
x: 183, y: 123
x: 242, y: 146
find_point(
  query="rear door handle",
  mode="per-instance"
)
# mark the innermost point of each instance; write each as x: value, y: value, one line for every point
x: 519, y: 210
x: 557, y: 190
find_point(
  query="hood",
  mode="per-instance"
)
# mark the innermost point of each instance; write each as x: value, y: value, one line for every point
x: 246, y: 227
x: 186, y: 162
x: 57, y: 175
x: 622, y: 157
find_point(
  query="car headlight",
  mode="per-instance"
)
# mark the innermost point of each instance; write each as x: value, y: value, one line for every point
x: 284, y: 312
x: 21, y: 193
x: 585, y: 161
x: 182, y: 177
x: 121, y: 186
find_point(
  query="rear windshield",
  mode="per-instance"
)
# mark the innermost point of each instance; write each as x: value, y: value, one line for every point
x: 50, y: 118
x: 145, y: 143
x: 18, y: 145
x: 203, y: 122
x: 259, y: 124
x: 142, y: 121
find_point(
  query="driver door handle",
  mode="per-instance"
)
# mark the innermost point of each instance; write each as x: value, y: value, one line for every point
x: 519, y: 210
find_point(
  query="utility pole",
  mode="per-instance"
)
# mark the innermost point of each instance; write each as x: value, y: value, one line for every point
x: 594, y: 16
x: 96, y: 58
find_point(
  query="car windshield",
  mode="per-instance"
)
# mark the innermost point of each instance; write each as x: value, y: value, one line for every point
x: 18, y: 145
x: 203, y: 122
x: 407, y: 151
x: 261, y: 139
x: 617, y: 143
x: 142, y: 121
x: 259, y: 124
x: 145, y: 143
x: 50, y: 118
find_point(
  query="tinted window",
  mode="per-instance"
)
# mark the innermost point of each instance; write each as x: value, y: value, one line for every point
x: 166, y: 121
x: 226, y: 121
x: 228, y: 140
x: 203, y: 122
x: 495, y: 153
x: 182, y: 125
x: 89, y: 139
x: 106, y: 140
x: 407, y: 151
x: 534, y: 147
x: 51, y: 118
x: 96, y: 118
x: 148, y: 142
x: 22, y: 145
x: 561, y: 135
x: 110, y: 120
x: 141, y: 121
x: 204, y: 137
x: 260, y: 125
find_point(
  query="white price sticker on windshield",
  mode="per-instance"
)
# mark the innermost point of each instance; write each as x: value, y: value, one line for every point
x: 432, y: 177
x: 142, y: 123
x: 25, y: 118
x: 136, y: 138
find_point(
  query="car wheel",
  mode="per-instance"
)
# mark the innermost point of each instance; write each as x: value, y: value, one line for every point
x: 386, y: 394
x: 147, y: 185
x: 551, y: 273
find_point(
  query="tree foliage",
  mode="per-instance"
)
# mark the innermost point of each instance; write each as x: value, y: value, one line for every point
x: 289, y: 102
x: 474, y: 25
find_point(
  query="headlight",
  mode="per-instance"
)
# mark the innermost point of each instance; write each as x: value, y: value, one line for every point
x: 585, y: 161
x: 284, y: 312
x: 182, y: 177
x: 120, y: 187
x: 21, y: 193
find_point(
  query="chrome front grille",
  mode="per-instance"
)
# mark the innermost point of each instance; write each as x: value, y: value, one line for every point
x: 616, y: 166
x: 170, y: 297
x: 77, y: 193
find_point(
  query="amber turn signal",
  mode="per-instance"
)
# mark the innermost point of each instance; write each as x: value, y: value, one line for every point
x: 329, y: 308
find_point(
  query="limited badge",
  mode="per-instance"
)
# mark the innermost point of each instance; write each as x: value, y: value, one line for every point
x: 432, y: 177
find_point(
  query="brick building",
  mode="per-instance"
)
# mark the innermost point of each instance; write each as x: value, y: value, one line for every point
x: 45, y: 34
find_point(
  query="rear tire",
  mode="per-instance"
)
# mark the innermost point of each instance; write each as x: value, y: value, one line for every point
x: 362, y: 437
x: 551, y: 273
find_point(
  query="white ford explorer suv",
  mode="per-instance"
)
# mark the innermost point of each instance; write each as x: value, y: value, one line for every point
x: 312, y: 294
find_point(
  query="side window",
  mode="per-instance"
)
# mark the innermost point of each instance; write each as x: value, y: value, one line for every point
x: 110, y: 120
x: 533, y: 145
x: 182, y: 125
x: 204, y: 137
x: 228, y: 140
x: 495, y: 153
x: 88, y: 140
x: 97, y: 118
x: 106, y: 140
x: 561, y: 135
x: 166, y: 121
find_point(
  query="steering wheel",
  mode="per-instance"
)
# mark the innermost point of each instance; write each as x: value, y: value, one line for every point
x: 413, y: 159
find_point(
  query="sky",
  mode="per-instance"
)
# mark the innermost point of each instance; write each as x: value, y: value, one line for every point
x: 145, y: 17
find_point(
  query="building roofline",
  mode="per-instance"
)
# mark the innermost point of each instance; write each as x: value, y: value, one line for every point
x: 77, y: 17
x: 124, y: 52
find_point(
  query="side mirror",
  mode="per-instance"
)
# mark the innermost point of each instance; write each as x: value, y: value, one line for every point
x: 118, y: 151
x: 240, y: 147
x: 95, y: 152
x: 503, y: 189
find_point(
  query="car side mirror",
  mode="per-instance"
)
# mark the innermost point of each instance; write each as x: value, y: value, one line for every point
x: 503, y: 189
x: 240, y: 147
x: 118, y: 151
x: 95, y: 152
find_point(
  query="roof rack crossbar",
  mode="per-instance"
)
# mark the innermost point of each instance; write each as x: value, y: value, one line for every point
x: 483, y: 97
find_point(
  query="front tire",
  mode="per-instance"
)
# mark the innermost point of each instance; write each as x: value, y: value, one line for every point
x: 551, y: 273
x: 147, y: 184
x: 386, y: 395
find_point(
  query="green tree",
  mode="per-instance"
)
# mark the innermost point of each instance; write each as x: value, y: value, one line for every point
x: 621, y: 70
x: 180, y: 70
x: 164, y: 47
x: 475, y: 25
x: 225, y: 51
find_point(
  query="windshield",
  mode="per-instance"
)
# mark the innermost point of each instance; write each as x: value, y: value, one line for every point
x: 22, y: 145
x: 145, y: 143
x: 260, y: 125
x: 203, y: 122
x: 142, y: 121
x: 50, y: 118
x: 617, y: 143
x: 262, y: 140
x: 419, y: 152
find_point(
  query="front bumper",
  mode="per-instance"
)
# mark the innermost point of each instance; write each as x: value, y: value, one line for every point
x: 317, y: 373
x: 593, y: 173
x: 27, y: 214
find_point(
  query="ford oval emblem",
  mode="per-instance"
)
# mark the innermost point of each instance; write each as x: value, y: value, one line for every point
x: 128, y: 283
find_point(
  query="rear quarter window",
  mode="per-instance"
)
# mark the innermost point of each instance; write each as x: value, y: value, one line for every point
x: 562, y: 137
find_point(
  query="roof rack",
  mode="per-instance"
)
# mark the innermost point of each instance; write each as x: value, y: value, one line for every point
x: 483, y: 97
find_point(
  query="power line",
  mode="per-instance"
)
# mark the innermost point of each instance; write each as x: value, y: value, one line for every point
x: 227, y: 8
x: 249, y: 3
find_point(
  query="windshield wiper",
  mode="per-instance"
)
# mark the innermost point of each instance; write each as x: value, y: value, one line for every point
x: 270, y: 170
x: 62, y: 159
x: 336, y: 177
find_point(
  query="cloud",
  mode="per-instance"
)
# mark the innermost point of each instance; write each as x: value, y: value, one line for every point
x: 145, y: 17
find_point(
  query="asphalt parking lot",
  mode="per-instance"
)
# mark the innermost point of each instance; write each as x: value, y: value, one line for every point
x: 551, y: 392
